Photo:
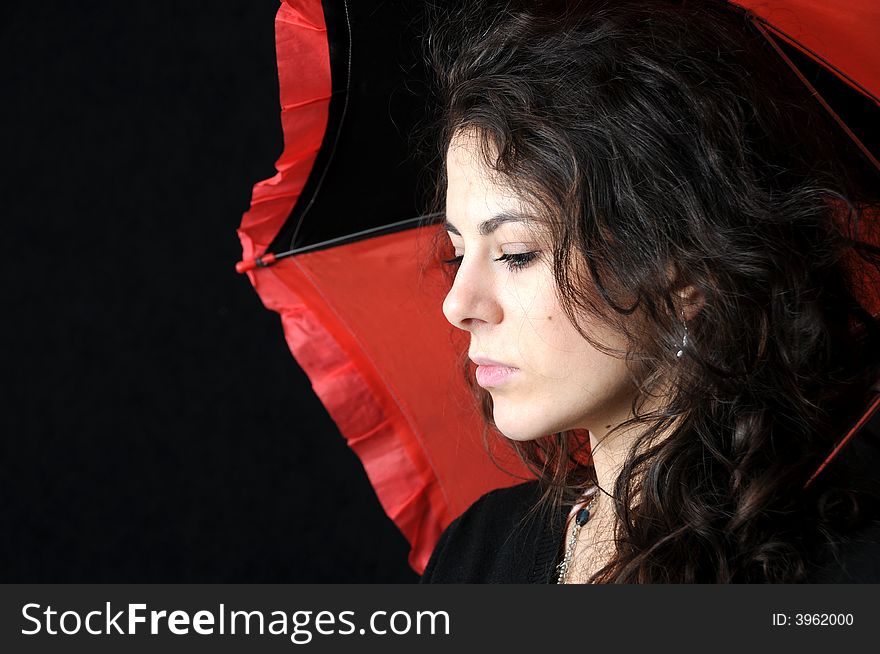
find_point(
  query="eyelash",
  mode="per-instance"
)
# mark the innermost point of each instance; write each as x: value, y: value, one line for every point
x: 514, y: 261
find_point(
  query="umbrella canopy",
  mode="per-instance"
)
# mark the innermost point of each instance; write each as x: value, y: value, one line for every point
x: 335, y: 244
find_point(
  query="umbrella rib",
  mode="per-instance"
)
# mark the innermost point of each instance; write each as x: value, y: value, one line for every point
x: 852, y: 432
x: 268, y: 258
x: 355, y: 235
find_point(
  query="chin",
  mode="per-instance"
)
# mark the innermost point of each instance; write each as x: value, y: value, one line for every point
x: 537, y: 423
x: 519, y: 429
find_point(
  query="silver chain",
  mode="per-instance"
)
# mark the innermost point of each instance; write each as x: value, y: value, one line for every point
x: 566, y: 561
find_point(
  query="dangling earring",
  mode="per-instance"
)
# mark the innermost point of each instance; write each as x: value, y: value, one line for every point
x: 685, y: 339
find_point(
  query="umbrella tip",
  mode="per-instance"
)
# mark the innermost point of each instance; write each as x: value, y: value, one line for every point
x: 260, y: 262
x: 244, y: 266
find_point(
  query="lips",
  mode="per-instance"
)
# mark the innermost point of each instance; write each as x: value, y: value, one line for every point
x: 491, y: 372
x: 494, y: 375
x: 486, y: 361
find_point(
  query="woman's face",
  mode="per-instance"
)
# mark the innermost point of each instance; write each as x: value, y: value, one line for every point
x: 513, y: 315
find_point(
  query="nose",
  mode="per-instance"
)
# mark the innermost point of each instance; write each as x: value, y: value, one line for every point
x: 472, y: 298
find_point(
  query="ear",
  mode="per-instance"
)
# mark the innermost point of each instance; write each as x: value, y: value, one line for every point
x: 692, y: 299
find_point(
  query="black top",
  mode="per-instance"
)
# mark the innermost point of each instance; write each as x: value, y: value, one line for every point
x: 485, y: 544
x: 494, y: 541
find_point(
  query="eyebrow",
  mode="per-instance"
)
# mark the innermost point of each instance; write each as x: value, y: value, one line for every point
x: 489, y: 226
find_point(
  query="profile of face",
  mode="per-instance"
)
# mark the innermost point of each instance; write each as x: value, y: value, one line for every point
x: 504, y: 295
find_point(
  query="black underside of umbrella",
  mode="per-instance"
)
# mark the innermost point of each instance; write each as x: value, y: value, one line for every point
x: 371, y: 169
x: 860, y: 113
x: 373, y: 175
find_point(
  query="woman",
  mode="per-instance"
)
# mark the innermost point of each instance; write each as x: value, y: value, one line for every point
x: 652, y: 224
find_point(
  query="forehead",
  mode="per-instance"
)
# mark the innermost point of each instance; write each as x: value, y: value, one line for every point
x: 475, y: 192
x: 465, y: 163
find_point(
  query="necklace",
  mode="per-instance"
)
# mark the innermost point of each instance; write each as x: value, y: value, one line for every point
x: 582, y: 516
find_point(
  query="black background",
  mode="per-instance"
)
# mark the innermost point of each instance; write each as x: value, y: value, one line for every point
x: 155, y: 426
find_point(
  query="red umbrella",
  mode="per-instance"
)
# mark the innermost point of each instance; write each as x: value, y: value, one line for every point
x: 346, y: 263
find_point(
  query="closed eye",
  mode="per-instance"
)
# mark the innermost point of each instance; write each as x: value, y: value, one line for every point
x: 514, y: 261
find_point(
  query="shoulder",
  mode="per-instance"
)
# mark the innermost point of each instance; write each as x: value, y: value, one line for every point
x: 518, y: 498
x: 470, y: 548
x: 500, y: 507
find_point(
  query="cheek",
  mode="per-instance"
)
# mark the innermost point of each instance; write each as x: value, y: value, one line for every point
x: 562, y: 353
x: 565, y: 349
x: 551, y: 344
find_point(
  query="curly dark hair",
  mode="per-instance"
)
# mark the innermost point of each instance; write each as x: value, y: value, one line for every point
x: 650, y: 132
